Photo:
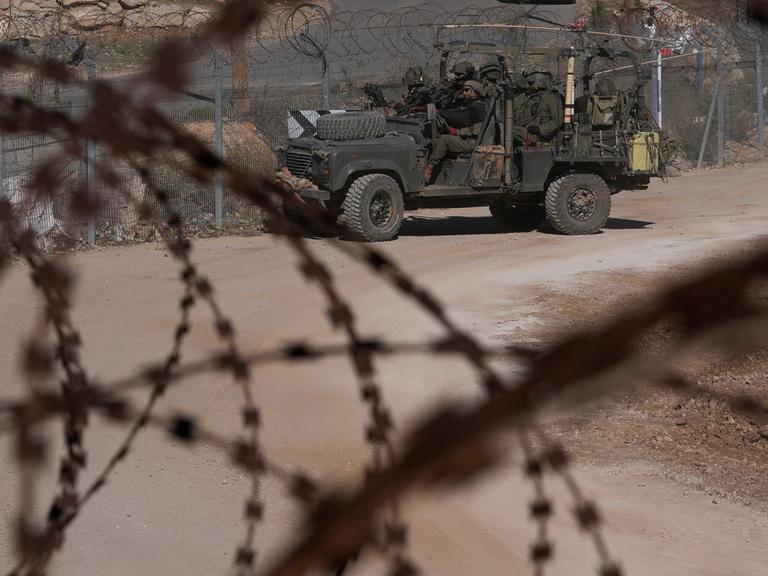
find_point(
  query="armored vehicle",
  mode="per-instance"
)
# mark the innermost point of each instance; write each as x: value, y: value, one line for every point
x: 367, y: 167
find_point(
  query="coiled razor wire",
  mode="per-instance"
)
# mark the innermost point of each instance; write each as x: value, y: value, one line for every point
x: 310, y: 32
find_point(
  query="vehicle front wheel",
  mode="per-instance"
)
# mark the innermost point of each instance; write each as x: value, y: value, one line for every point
x: 512, y: 217
x: 373, y: 207
x: 578, y: 204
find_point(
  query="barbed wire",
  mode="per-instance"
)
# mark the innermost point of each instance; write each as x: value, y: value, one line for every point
x: 450, y: 445
x: 311, y: 31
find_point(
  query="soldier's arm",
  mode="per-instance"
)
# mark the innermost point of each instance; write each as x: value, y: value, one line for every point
x: 474, y: 113
x: 457, y: 118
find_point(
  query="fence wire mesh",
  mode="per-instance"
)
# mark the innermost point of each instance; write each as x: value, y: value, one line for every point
x: 136, y: 142
x: 308, y: 58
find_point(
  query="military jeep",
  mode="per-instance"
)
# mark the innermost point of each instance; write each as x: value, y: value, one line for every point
x: 367, y: 167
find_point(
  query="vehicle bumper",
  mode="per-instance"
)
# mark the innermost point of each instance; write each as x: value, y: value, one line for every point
x: 314, y: 194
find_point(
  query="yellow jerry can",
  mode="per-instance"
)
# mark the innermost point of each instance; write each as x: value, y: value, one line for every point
x: 644, y: 152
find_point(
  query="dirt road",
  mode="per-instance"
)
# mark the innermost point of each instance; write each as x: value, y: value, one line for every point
x: 173, y: 510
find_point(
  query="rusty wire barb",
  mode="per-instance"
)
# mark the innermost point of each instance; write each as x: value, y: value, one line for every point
x: 449, y: 446
x: 54, y: 284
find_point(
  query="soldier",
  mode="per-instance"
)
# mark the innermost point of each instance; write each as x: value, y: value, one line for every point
x: 464, y: 124
x: 581, y: 103
x: 451, y: 94
x: 490, y: 75
x: 538, y: 113
x: 602, y: 104
x: 418, y: 94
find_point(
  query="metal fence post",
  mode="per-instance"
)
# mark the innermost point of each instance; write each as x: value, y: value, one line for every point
x: 705, y: 138
x: 760, y: 100
x: 90, y: 170
x: 326, y: 83
x: 2, y: 151
x: 218, y: 181
x: 721, y: 106
x: 659, y: 91
x: 655, y: 88
x: 699, y: 68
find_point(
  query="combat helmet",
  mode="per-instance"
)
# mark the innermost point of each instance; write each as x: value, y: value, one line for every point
x: 518, y: 78
x: 490, y: 70
x: 476, y: 86
x: 464, y: 69
x: 605, y: 87
x: 539, y: 79
x: 414, y: 76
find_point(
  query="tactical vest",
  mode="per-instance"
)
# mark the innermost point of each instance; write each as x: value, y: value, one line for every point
x: 603, y: 110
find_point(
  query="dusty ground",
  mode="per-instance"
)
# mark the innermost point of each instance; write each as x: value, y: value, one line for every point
x: 681, y: 482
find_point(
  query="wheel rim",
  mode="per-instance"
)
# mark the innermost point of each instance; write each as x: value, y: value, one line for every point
x: 582, y: 203
x: 381, y: 209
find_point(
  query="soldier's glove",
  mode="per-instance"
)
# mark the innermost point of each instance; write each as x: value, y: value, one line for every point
x: 534, y: 130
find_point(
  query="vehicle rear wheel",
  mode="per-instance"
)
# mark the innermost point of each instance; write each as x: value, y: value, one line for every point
x: 373, y: 207
x: 514, y: 217
x: 578, y: 204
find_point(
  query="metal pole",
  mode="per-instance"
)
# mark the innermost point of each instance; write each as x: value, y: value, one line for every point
x: 570, y: 89
x: 326, y: 84
x: 90, y: 172
x: 708, y: 125
x: 218, y: 180
x: 508, y: 138
x: 699, y: 68
x: 659, y: 94
x: 760, y: 100
x: 2, y: 152
x: 721, y: 107
x: 655, y: 89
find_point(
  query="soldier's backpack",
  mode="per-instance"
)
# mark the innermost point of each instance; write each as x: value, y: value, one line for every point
x: 603, y: 110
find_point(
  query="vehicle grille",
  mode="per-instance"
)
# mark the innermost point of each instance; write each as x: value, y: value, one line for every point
x: 298, y: 161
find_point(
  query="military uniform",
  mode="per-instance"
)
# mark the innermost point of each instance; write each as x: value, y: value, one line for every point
x: 490, y: 75
x: 466, y: 124
x: 450, y: 94
x: 418, y: 94
x: 602, y: 104
x: 537, y: 116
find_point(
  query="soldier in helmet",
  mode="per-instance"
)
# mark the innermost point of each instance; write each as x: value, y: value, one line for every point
x: 414, y: 77
x: 602, y: 104
x: 451, y: 94
x: 464, y: 126
x: 605, y: 87
x: 463, y: 71
x: 418, y: 94
x: 538, y: 112
x: 490, y: 76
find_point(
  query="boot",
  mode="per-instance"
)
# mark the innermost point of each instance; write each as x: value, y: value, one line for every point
x: 428, y: 173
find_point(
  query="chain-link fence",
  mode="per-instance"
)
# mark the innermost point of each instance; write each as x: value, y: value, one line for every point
x: 709, y: 103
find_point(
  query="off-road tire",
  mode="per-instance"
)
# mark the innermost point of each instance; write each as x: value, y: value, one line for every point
x: 351, y: 126
x: 511, y: 217
x: 373, y: 207
x: 578, y: 204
